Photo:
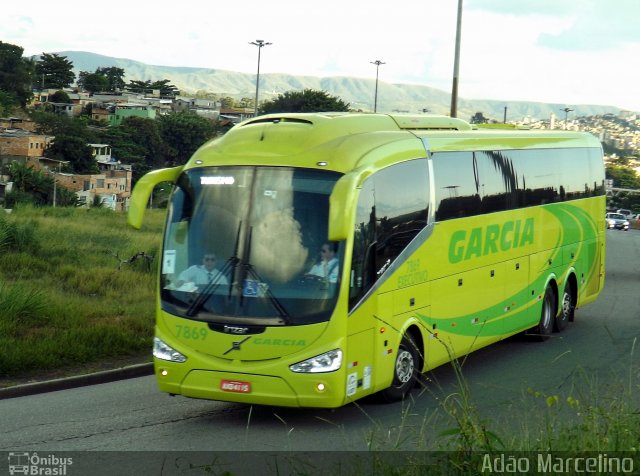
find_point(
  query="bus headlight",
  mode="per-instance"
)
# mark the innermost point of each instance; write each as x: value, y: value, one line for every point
x: 164, y: 352
x: 327, y: 362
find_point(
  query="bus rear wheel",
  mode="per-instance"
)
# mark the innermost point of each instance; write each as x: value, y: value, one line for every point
x: 405, y: 371
x: 567, y: 309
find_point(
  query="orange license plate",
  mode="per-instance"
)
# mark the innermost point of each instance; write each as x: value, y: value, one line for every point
x: 235, y: 386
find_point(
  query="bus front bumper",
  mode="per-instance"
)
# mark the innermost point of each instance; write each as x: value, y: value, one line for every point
x: 305, y: 390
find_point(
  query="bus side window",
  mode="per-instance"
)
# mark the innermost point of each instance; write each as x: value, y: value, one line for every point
x: 401, y: 205
x: 392, y: 209
x: 457, y: 187
x: 363, y: 259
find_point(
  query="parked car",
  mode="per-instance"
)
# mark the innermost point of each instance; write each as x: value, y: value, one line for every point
x: 628, y: 214
x: 617, y: 220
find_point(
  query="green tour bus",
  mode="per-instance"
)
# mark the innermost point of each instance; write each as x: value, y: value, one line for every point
x: 443, y: 239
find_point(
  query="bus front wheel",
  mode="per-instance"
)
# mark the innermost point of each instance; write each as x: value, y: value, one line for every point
x: 547, y: 316
x: 405, y: 371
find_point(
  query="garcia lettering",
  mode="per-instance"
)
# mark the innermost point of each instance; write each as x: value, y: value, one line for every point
x: 494, y: 238
x: 295, y: 342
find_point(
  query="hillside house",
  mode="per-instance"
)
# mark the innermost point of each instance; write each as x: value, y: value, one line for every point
x: 112, y: 188
x: 17, y: 123
x: 21, y: 145
x: 203, y: 107
x: 122, y: 111
x: 236, y: 115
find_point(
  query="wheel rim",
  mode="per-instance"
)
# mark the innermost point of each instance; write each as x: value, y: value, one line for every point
x: 404, y: 366
x: 567, y: 305
x: 547, y: 314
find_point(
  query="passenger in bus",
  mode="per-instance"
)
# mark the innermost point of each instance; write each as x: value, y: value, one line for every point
x: 202, y: 274
x: 327, y: 266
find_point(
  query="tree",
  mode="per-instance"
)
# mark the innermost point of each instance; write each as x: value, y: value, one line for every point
x: 103, y: 79
x: 138, y: 142
x: 227, y: 102
x: 478, y: 118
x: 8, y: 102
x: 147, y: 133
x: 308, y: 100
x: 36, y: 187
x: 92, y: 82
x: 246, y: 102
x: 137, y: 86
x: 623, y: 177
x: 75, y: 150
x: 54, y: 71
x: 166, y: 89
x: 15, y: 76
x: 184, y: 132
x: 57, y: 125
x: 115, y: 78
x: 60, y: 97
x: 146, y: 87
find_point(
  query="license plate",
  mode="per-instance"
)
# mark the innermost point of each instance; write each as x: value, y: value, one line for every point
x: 235, y: 386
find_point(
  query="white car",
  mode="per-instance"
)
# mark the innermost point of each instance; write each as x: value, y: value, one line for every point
x: 617, y: 220
x: 628, y: 214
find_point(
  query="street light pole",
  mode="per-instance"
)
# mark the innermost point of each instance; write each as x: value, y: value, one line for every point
x: 375, y: 97
x: 54, y: 185
x: 259, y: 44
x: 566, y: 110
x: 456, y: 64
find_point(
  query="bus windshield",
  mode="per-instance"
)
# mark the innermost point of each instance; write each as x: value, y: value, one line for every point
x: 248, y: 245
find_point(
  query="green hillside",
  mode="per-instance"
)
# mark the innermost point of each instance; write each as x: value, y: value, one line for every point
x: 410, y: 98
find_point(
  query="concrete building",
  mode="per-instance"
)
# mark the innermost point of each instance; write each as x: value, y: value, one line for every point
x: 21, y: 145
x: 111, y: 188
x: 122, y: 111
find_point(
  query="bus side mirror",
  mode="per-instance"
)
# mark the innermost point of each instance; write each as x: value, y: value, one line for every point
x: 142, y: 192
x: 342, y: 207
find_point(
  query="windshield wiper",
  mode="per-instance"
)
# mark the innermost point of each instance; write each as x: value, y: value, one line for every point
x: 231, y: 265
x: 208, y: 290
x: 253, y: 274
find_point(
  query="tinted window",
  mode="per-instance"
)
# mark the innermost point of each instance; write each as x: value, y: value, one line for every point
x: 471, y: 183
x: 362, y: 273
x: 537, y: 173
x: 392, y: 209
x: 581, y: 174
x: 498, y: 181
x: 401, y: 204
x: 457, y: 185
x: 248, y: 245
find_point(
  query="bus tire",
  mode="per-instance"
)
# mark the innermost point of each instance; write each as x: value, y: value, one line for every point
x: 405, y: 371
x: 567, y: 309
x: 547, y: 316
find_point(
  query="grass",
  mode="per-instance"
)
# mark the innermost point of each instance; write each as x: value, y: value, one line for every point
x: 65, y: 298
x: 590, y: 418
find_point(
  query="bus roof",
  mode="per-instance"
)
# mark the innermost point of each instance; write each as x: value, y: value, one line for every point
x: 344, y: 141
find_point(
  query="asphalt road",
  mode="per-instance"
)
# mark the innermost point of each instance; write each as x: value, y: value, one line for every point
x: 594, y: 356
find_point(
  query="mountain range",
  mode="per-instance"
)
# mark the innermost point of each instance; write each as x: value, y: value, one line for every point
x: 358, y: 92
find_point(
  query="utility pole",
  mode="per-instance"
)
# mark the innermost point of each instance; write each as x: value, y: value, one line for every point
x: 55, y: 184
x: 375, y: 97
x: 456, y: 64
x: 566, y: 110
x: 259, y: 44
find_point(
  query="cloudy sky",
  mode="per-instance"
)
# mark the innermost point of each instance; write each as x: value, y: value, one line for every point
x: 562, y: 51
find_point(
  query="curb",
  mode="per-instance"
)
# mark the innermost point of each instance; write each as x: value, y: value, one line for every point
x: 131, y: 371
